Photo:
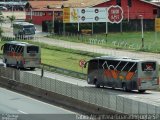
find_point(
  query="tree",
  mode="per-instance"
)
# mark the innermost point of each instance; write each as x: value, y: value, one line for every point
x: 1, y: 18
x: 11, y: 18
x: 1, y: 31
x: 1, y: 21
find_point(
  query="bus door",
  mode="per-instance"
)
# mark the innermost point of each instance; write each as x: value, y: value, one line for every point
x: 148, y: 75
x: 92, y: 71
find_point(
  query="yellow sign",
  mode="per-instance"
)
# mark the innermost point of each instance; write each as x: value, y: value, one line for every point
x: 157, y: 24
x: 66, y: 15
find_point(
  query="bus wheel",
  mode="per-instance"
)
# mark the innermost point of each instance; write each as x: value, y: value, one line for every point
x: 17, y: 66
x: 5, y: 61
x: 97, y: 84
x: 124, y: 87
x: 32, y: 68
x: 141, y: 91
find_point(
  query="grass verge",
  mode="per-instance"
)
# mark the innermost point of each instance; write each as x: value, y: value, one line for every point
x: 62, y: 57
x: 127, y: 41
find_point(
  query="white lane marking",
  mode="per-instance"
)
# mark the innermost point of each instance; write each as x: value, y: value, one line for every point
x: 22, y: 112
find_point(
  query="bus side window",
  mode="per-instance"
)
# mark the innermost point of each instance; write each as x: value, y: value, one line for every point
x: 17, y: 49
x: 121, y: 66
x: 10, y: 48
x: 13, y: 48
x: 101, y: 64
x: 130, y: 67
x: 21, y: 49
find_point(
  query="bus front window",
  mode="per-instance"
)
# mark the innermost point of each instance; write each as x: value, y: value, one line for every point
x: 32, y: 49
x: 29, y: 29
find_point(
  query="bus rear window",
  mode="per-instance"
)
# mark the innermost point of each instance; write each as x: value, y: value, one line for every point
x: 148, y: 66
x: 32, y: 49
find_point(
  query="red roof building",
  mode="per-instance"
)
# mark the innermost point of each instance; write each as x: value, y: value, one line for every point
x: 134, y: 8
x: 39, y: 11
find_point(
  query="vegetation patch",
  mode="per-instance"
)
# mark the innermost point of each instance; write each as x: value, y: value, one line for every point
x: 127, y: 41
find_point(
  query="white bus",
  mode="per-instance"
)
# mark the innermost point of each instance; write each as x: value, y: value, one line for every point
x: 126, y: 73
x: 21, y: 55
x: 23, y: 29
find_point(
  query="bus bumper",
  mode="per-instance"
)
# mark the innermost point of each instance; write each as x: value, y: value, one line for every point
x: 153, y: 87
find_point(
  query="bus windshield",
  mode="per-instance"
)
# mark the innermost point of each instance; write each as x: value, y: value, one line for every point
x: 29, y: 29
x: 32, y: 49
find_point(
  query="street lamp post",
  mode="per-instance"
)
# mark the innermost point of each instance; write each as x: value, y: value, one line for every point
x: 142, y: 30
x: 31, y: 13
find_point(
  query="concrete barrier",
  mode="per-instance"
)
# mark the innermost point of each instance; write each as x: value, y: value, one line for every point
x: 55, y: 98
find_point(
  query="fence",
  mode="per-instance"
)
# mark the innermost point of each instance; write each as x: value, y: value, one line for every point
x: 100, y: 97
x: 96, y: 49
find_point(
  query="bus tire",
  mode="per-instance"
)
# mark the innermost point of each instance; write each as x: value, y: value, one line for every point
x: 141, y: 91
x: 97, y: 85
x: 124, y: 87
x: 17, y: 66
x: 32, y: 68
x: 5, y: 61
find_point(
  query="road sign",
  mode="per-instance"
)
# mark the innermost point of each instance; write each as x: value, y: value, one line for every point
x: 115, y: 14
x: 82, y: 63
x: 157, y: 24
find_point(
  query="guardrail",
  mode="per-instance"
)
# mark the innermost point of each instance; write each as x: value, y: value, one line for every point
x: 99, y: 97
x: 64, y: 71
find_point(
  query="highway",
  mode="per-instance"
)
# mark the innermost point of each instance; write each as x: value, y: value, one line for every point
x: 22, y: 107
x: 147, y: 97
x: 152, y: 97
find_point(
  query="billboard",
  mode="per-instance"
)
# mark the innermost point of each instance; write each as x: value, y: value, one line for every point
x: 66, y: 15
x: 157, y: 24
x: 112, y: 14
x: 84, y: 15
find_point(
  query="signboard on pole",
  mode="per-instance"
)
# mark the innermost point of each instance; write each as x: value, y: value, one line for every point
x: 157, y: 24
x: 92, y: 15
x: 84, y: 15
x: 82, y: 63
x: 66, y: 15
x: 115, y: 14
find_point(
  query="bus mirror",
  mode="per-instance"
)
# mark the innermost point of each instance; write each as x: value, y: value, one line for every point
x: 2, y: 47
x: 85, y: 65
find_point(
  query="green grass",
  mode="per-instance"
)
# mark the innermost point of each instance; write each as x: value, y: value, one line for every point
x: 127, y: 41
x: 62, y: 57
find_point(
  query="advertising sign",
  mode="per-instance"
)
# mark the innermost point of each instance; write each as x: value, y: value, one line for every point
x: 84, y: 15
x: 157, y: 24
x: 66, y: 15
x: 92, y: 15
x: 115, y: 14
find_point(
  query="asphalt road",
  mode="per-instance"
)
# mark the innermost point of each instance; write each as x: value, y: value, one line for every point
x: 20, y: 107
x: 39, y: 37
x: 152, y: 97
